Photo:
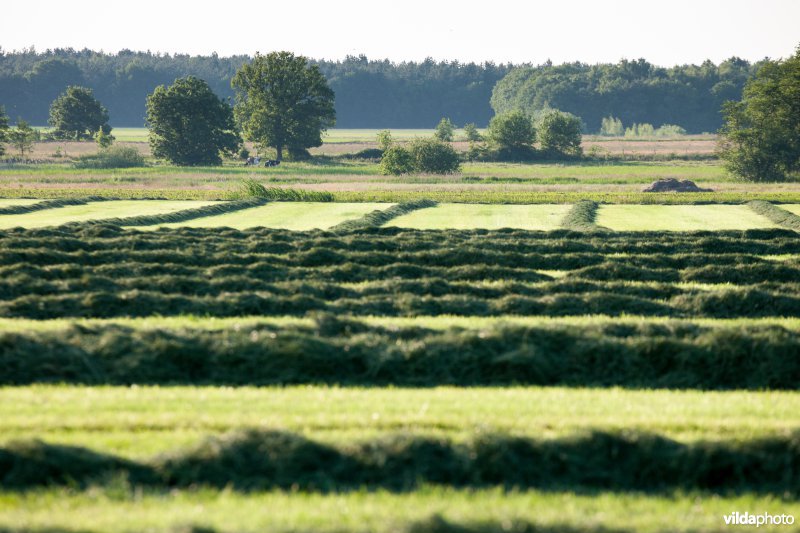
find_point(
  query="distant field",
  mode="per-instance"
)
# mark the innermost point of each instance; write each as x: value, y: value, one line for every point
x: 470, y: 216
x: 302, y: 216
x: 96, y: 211
x: 680, y: 218
x: 286, y: 215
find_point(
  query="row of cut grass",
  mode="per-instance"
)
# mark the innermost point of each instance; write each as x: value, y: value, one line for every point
x: 144, y: 421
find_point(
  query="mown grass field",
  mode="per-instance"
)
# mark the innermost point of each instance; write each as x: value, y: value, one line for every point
x: 301, y: 216
x: 385, y: 379
x: 297, y: 216
x: 547, y: 349
x: 96, y: 211
x: 680, y: 218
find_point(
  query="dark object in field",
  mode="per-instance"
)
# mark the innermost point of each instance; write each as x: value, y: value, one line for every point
x: 272, y: 163
x: 674, y: 185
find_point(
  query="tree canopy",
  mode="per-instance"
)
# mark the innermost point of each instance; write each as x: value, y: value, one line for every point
x: 760, y: 140
x: 189, y: 124
x: 283, y: 101
x: 77, y: 114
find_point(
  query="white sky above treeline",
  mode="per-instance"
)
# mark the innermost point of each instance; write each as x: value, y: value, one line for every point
x: 591, y: 31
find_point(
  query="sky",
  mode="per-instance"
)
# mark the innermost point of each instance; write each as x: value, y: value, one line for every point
x: 667, y: 32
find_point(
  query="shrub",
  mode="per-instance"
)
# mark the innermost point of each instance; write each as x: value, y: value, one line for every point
x: 397, y: 160
x: 114, y: 157
x: 444, y: 130
x: 434, y: 156
x: 560, y: 133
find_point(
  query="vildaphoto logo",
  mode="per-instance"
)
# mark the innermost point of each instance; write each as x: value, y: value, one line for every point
x: 758, y: 520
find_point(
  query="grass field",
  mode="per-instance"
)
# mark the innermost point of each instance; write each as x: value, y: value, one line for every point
x: 96, y: 211
x: 467, y: 216
x: 427, y: 510
x: 143, y: 422
x: 428, y: 373
x: 298, y: 216
x: 301, y: 216
x: 680, y: 218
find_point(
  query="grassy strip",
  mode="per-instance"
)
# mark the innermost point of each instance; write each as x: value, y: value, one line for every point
x: 140, y: 422
x: 777, y: 215
x: 462, y: 196
x: 428, y: 510
x: 251, y: 188
x: 49, y: 204
x: 335, y: 351
x: 181, y: 216
x: 263, y: 460
x: 582, y: 217
x: 380, y: 217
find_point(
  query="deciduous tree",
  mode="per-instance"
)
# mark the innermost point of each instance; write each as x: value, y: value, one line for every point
x: 560, y: 133
x: 77, y: 114
x: 189, y: 124
x: 282, y: 101
x: 760, y: 140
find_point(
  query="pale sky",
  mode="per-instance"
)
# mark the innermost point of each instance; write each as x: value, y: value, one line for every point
x: 665, y: 32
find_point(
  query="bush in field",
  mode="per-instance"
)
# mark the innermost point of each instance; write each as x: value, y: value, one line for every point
x: 22, y: 137
x: 760, y: 140
x: 471, y: 133
x: 560, y: 133
x: 640, y: 130
x: 512, y: 135
x: 669, y: 130
x: 3, y: 129
x: 114, y: 157
x: 384, y: 140
x: 444, y: 130
x: 103, y: 138
x: 611, y: 127
x: 189, y: 124
x: 397, y: 160
x: 434, y: 156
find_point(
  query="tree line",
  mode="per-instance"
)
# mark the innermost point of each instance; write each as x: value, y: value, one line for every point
x: 380, y: 93
x: 633, y: 92
x: 369, y: 93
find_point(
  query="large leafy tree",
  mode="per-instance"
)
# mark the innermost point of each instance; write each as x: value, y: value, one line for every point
x: 77, y: 114
x: 189, y: 124
x: 760, y: 140
x: 283, y: 102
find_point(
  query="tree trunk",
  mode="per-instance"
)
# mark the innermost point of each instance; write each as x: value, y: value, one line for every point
x: 279, y: 149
